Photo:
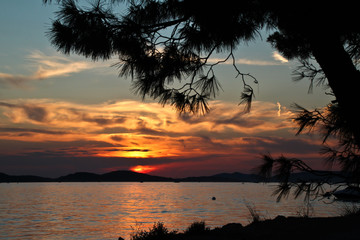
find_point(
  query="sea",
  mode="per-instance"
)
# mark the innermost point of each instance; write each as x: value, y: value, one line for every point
x: 119, y: 209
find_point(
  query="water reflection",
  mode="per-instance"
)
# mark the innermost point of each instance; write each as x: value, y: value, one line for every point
x: 110, y: 210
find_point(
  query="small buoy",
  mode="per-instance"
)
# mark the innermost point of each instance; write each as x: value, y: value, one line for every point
x: 213, y: 198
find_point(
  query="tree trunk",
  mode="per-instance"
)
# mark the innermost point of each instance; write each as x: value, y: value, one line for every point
x: 343, y: 77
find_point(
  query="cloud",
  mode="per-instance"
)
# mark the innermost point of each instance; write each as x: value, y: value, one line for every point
x: 31, y: 112
x: 245, y: 61
x: 136, y: 150
x: 279, y: 60
x: 262, y: 118
x: 136, y: 130
x: 116, y: 138
x: 277, y: 56
x: 30, y: 130
x: 35, y: 113
x: 99, y: 119
x: 13, y: 80
x: 49, y: 112
x: 279, y: 109
x: 53, y: 66
x: 44, y: 67
x: 256, y: 62
x: 119, y: 120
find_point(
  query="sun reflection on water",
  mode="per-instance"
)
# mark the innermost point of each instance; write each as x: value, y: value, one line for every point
x: 110, y: 210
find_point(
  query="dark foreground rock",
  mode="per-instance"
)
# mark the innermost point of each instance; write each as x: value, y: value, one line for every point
x: 296, y: 228
x: 280, y: 228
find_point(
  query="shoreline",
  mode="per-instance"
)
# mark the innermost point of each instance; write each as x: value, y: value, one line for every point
x: 279, y: 228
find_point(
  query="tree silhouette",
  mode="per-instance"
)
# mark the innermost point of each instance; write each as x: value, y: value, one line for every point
x: 165, y: 47
x: 163, y: 42
x: 331, y: 124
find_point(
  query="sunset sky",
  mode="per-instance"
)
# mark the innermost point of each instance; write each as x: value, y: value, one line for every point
x: 61, y: 114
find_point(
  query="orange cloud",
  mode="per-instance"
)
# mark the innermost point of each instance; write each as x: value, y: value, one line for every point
x: 278, y: 57
x: 137, y: 130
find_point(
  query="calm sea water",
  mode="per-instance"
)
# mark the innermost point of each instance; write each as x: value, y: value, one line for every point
x: 109, y: 210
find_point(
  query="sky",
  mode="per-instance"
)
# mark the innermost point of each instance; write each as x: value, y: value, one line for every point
x: 61, y: 114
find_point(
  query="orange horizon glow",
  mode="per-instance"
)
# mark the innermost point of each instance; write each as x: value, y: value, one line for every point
x: 135, y: 130
x: 143, y: 168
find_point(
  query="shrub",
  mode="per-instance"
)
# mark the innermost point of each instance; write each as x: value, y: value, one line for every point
x: 197, y: 228
x: 157, y: 232
x: 353, y: 210
x: 254, y: 214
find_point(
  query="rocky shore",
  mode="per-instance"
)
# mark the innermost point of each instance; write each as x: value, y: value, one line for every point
x: 280, y: 228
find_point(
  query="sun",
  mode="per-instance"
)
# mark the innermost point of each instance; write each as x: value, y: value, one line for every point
x: 142, y: 169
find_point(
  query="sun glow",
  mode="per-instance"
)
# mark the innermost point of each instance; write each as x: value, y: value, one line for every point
x: 142, y: 169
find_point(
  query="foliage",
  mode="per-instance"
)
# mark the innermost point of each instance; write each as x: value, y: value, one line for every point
x: 166, y: 46
x: 157, y: 232
x: 160, y: 232
x: 197, y: 228
x: 330, y: 123
x: 254, y: 214
x: 350, y: 210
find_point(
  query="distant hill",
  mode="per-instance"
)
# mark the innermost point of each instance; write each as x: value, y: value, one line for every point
x: 116, y: 176
x: 80, y: 177
x: 23, y: 178
x: 224, y: 177
x: 129, y: 176
x: 240, y: 177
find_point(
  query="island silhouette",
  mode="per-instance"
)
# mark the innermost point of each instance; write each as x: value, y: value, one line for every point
x: 130, y: 176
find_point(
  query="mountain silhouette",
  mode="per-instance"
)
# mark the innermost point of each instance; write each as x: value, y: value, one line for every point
x: 23, y: 178
x: 116, y: 176
x: 129, y: 176
x: 224, y: 177
x: 80, y: 177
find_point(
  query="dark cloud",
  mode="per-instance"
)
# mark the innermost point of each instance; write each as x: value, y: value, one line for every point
x: 97, y: 119
x: 51, y: 148
x: 280, y: 145
x: 70, y: 151
x: 136, y: 150
x: 18, y: 81
x: 103, y: 121
x: 238, y: 118
x: 40, y: 114
x: 143, y: 129
x: 149, y: 131
x: 31, y: 130
x: 33, y: 112
x: 113, y: 130
x: 191, y: 119
x: 117, y: 138
x: 110, y: 150
x: 208, y: 142
x: 9, y: 105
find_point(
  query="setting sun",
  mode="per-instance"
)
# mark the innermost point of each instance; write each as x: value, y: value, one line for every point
x: 142, y: 169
